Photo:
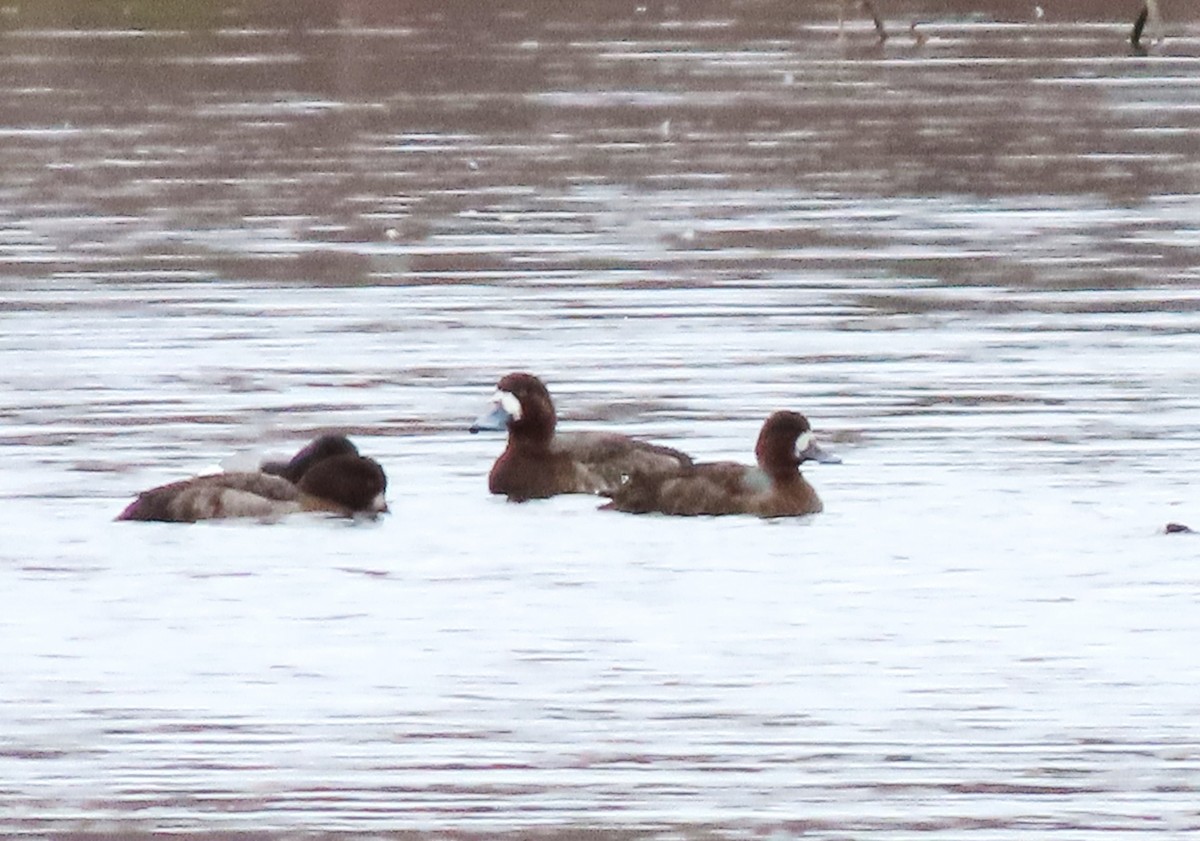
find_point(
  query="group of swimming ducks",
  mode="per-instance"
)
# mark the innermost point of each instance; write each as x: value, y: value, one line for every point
x: 330, y: 475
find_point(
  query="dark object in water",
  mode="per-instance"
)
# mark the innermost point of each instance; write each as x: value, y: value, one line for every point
x: 870, y: 7
x: 1149, y: 12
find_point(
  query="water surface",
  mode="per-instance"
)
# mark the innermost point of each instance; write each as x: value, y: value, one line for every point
x: 973, y: 264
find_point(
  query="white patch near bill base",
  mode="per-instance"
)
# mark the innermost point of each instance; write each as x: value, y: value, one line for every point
x: 509, y: 403
x: 804, y: 442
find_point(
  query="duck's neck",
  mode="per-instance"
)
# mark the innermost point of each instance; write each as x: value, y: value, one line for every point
x: 531, y: 437
x: 785, y: 477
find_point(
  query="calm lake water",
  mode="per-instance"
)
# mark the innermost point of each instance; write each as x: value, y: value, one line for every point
x: 974, y: 264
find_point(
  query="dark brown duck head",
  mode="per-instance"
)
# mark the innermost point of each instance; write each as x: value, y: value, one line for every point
x: 346, y: 484
x: 522, y: 405
x: 787, y: 441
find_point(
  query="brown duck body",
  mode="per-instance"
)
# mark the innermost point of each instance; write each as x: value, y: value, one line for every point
x: 716, y: 489
x: 582, y: 462
x: 215, y: 497
x: 773, y: 488
x: 537, y: 464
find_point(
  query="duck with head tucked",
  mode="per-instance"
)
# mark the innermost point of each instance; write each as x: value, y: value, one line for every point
x: 326, y: 476
x: 537, y: 463
x: 775, y: 488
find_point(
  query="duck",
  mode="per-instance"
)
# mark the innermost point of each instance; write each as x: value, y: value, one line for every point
x: 537, y: 463
x: 774, y: 488
x: 344, y: 484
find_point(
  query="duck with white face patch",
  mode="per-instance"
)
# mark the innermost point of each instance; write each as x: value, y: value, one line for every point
x: 774, y: 487
x: 506, y: 407
x: 537, y: 463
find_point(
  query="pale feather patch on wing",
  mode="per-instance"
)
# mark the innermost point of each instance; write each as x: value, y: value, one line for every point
x: 756, y: 481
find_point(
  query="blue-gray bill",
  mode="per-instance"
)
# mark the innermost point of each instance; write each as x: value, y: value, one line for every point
x: 494, y: 421
x: 814, y: 452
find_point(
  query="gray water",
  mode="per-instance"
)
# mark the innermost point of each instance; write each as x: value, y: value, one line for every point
x: 974, y: 264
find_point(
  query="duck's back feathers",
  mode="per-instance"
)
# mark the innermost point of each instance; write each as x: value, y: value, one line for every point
x: 611, y: 457
x: 581, y: 462
x: 320, y: 448
x: 714, y: 488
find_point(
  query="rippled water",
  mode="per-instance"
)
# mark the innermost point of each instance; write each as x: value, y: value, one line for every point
x: 975, y: 264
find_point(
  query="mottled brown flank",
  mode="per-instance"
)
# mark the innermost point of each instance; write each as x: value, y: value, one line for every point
x: 774, y: 489
x: 215, y: 497
x: 537, y: 464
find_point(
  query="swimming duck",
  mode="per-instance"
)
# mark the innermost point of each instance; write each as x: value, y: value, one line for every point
x: 344, y: 484
x: 775, y: 488
x: 538, y: 464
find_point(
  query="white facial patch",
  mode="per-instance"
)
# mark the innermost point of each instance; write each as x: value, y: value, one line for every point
x: 804, y: 442
x: 508, y: 401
